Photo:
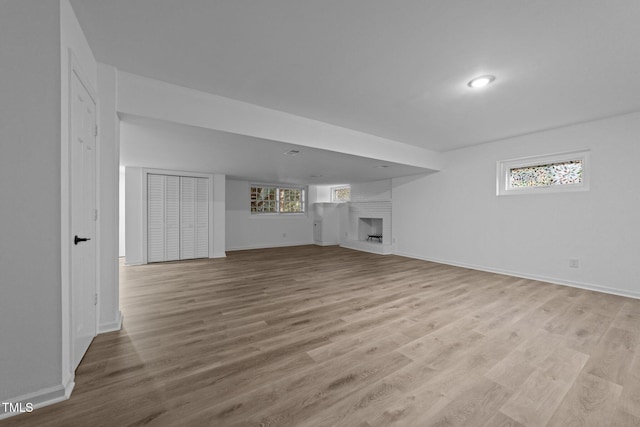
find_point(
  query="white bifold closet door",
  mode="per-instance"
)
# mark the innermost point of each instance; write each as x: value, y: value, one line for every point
x: 202, y: 218
x: 163, y: 224
x: 194, y: 217
x: 178, y: 218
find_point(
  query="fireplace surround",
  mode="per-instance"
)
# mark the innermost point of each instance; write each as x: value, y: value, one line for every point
x: 372, y: 218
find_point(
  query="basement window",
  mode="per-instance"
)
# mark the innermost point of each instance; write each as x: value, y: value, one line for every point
x: 273, y: 199
x: 341, y: 194
x: 544, y: 174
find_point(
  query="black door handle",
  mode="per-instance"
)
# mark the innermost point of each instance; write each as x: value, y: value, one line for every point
x: 77, y: 239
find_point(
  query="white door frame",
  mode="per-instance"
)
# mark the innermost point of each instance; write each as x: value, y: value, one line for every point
x: 68, y: 372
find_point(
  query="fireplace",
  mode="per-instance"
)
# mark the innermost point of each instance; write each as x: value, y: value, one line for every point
x: 370, y: 229
x: 371, y: 218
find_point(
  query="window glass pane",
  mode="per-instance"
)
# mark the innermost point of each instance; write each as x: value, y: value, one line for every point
x: 341, y: 194
x: 263, y: 199
x: 561, y: 173
x: 291, y: 200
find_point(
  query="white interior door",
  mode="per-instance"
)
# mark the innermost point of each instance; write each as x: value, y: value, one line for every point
x: 83, y: 219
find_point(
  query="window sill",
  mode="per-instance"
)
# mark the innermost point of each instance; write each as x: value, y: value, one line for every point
x: 275, y: 215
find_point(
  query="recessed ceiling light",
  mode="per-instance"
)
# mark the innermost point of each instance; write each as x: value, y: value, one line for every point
x: 481, y: 81
x: 292, y: 153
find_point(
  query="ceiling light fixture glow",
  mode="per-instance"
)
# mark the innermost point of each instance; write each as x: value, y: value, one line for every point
x: 481, y: 81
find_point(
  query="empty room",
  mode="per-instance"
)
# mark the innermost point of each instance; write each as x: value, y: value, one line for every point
x: 319, y: 213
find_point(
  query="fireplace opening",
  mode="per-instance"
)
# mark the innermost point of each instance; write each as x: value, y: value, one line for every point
x: 370, y: 229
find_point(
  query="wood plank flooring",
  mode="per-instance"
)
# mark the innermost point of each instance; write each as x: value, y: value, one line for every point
x: 325, y: 336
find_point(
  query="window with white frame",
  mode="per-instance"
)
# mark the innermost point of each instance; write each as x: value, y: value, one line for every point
x: 341, y: 193
x: 544, y: 174
x: 264, y: 199
x: 274, y: 199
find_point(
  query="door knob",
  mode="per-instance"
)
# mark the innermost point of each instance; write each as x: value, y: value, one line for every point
x: 77, y: 239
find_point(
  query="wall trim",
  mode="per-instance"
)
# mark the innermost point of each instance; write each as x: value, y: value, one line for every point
x: 267, y: 246
x: 336, y: 243
x: 43, y: 397
x: 373, y: 248
x: 219, y: 255
x: 552, y: 280
x: 116, y: 325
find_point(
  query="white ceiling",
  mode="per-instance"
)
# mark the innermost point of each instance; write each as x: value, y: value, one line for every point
x: 162, y: 145
x: 395, y: 69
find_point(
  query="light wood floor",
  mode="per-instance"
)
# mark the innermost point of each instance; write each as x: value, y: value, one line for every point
x: 311, y: 336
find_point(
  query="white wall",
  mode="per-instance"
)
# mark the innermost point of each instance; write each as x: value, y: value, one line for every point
x: 122, y: 220
x: 30, y: 230
x: 110, y: 318
x: 134, y: 237
x: 371, y: 191
x: 246, y: 231
x: 320, y: 193
x: 455, y: 216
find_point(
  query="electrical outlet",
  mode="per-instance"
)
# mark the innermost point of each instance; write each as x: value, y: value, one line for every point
x: 284, y: 235
x: 574, y: 263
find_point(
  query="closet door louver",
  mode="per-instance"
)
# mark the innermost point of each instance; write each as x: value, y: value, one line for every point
x: 187, y: 217
x: 172, y: 218
x: 155, y: 218
x: 177, y: 218
x: 202, y: 218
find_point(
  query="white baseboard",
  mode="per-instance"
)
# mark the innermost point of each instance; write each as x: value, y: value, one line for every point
x: 371, y: 247
x: 116, y: 325
x: 281, y: 245
x: 326, y: 243
x: 580, y: 285
x: 44, y: 397
x: 219, y: 255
